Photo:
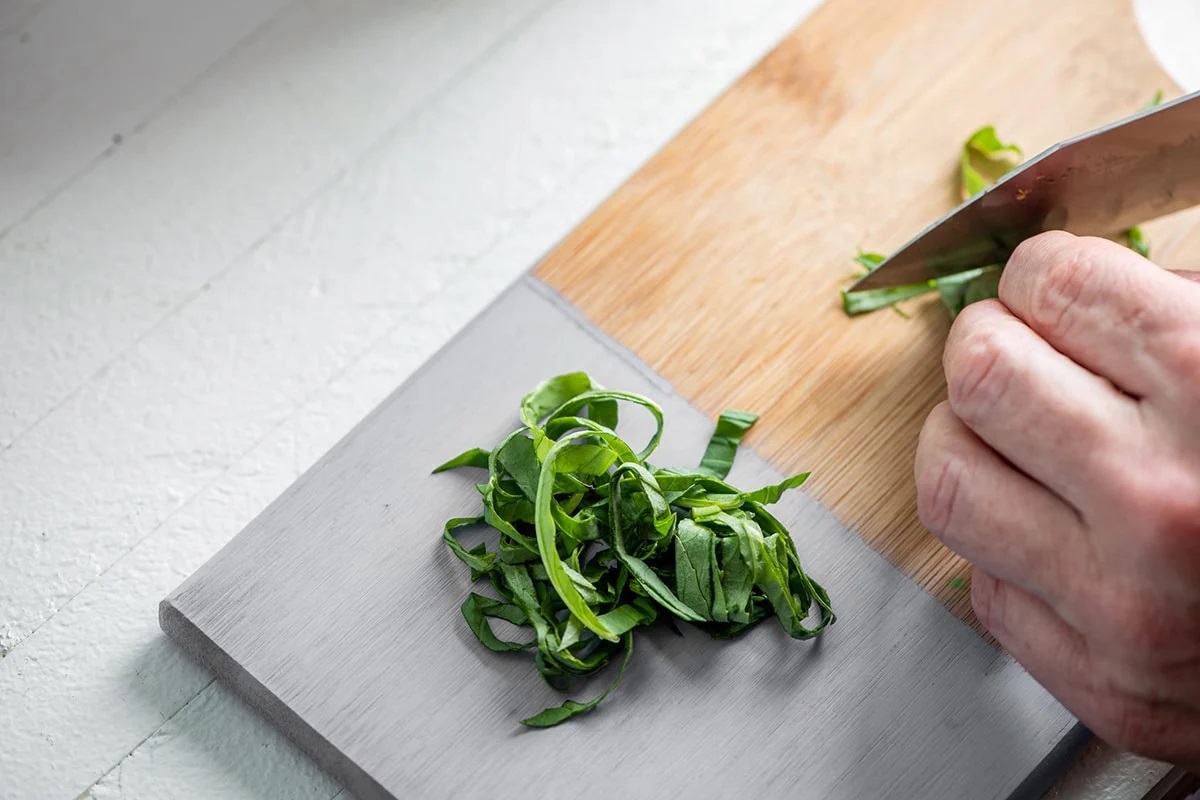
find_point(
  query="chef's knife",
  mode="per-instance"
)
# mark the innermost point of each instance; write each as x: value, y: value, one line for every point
x: 1099, y: 184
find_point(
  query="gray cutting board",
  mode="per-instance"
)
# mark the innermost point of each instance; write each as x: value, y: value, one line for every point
x: 335, y: 614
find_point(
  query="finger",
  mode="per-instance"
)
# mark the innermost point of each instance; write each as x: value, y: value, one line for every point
x: 995, y: 517
x: 1051, y: 651
x: 1191, y: 276
x: 1058, y: 657
x: 1101, y: 304
x: 1024, y: 625
x: 1048, y: 416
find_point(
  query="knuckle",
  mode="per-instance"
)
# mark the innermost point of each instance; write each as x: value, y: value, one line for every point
x: 987, y: 601
x: 979, y: 370
x: 1035, y: 251
x: 1060, y: 289
x: 1029, y: 260
x: 940, y: 485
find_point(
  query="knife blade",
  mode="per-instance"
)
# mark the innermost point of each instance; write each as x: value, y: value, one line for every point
x: 1099, y: 183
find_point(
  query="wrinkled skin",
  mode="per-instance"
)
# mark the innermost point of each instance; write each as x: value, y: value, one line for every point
x: 1066, y: 467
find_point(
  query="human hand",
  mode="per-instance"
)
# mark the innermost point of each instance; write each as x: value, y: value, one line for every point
x: 1066, y: 468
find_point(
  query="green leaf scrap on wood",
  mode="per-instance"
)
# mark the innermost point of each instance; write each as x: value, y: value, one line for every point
x: 985, y: 158
x: 591, y: 541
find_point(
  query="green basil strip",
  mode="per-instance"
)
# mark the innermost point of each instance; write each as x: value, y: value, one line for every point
x: 1137, y: 241
x: 998, y: 158
x: 547, y: 540
x: 959, y: 290
x: 477, y: 608
x: 722, y: 447
x: 573, y: 405
x: 595, y: 542
x: 551, y: 394
x: 475, y: 457
x: 653, y: 584
x: 772, y: 494
x: 694, y: 557
x: 478, y: 562
x: 559, y: 714
x: 864, y: 300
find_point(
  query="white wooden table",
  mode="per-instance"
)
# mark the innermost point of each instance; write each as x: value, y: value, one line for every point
x: 227, y: 230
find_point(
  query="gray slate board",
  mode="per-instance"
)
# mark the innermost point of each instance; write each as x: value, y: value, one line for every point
x: 335, y: 614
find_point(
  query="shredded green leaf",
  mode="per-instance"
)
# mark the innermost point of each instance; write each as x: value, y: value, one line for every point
x: 592, y: 541
x: 731, y: 427
x: 1137, y: 241
x: 983, y: 152
x: 873, y: 299
x: 869, y: 261
x: 471, y: 458
x: 961, y: 289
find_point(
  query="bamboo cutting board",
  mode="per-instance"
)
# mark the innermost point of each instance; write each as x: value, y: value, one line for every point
x: 709, y: 280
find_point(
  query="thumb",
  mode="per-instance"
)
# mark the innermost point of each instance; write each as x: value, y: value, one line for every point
x: 1189, y: 274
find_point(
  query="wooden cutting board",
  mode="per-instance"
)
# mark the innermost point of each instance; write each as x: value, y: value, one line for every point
x: 709, y: 280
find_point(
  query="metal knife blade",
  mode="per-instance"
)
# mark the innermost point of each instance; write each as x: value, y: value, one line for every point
x: 1099, y: 183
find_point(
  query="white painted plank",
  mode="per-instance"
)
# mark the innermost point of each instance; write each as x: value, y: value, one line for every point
x: 178, y: 201
x: 215, y: 747
x: 78, y: 73
x: 91, y: 712
x: 99, y: 677
x: 204, y: 386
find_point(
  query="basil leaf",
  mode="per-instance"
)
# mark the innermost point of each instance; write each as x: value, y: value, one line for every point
x: 638, y: 568
x: 551, y: 394
x: 547, y: 534
x: 555, y: 716
x: 864, y: 300
x: 477, y: 608
x: 982, y: 287
x: 771, y: 494
x: 737, y: 578
x: 480, y: 563
x: 731, y: 427
x: 475, y: 457
x: 1137, y: 241
x: 694, y: 567
x: 994, y: 156
x: 593, y: 542
x: 869, y: 261
x: 958, y: 291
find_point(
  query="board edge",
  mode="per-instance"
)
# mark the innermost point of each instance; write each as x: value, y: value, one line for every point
x: 267, y: 705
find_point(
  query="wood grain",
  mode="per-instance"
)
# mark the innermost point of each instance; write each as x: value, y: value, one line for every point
x: 719, y: 263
